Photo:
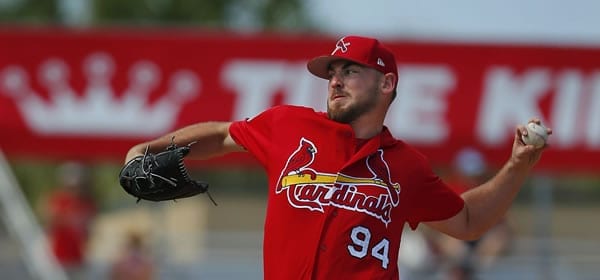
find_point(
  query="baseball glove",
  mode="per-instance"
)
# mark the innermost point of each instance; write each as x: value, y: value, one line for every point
x: 162, y: 176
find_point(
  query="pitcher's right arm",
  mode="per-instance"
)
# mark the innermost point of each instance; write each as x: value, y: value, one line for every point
x: 211, y: 139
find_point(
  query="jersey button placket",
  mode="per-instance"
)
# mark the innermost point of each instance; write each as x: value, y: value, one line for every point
x: 320, y: 247
x: 334, y: 210
x: 327, y: 221
x: 326, y: 224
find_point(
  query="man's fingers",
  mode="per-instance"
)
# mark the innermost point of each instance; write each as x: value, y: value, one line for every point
x: 520, y: 132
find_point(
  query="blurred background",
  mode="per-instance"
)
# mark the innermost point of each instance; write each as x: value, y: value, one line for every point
x: 81, y: 81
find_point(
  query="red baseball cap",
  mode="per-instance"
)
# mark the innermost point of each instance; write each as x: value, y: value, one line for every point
x: 361, y: 50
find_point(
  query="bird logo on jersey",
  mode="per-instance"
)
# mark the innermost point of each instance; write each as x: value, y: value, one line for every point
x: 299, y: 161
x: 310, y: 189
x: 380, y: 170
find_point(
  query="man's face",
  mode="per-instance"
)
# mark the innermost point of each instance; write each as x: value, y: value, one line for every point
x: 353, y: 91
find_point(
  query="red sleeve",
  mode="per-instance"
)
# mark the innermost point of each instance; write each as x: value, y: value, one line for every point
x: 432, y: 199
x: 255, y: 134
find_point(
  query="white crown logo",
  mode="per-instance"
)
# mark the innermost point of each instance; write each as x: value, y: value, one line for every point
x: 99, y: 111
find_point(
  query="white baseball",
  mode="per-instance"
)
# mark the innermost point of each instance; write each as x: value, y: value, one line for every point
x: 536, y: 135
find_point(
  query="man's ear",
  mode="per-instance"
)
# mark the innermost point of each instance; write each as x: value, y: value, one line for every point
x: 388, y: 83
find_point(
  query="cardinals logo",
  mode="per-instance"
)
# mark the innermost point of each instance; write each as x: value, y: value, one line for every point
x: 306, y: 188
x: 380, y: 170
x: 299, y: 161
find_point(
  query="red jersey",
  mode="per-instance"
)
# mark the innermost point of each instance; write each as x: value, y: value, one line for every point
x: 336, y: 209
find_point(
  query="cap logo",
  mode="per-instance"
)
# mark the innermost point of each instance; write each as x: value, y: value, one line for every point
x: 341, y: 45
x: 380, y: 62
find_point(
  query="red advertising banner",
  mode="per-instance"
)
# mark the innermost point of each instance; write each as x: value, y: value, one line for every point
x: 91, y: 94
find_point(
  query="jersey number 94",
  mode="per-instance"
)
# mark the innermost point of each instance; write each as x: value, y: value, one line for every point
x: 361, y: 243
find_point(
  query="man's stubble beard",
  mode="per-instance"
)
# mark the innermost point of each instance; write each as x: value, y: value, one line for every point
x: 354, y: 110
